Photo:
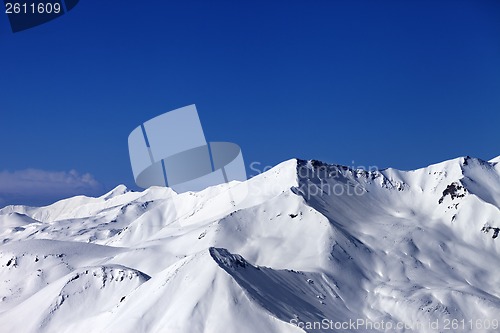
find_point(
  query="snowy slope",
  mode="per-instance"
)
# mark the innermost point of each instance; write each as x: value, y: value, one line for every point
x: 311, y: 244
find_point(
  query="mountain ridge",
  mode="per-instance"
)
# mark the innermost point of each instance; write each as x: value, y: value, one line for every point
x: 309, y: 242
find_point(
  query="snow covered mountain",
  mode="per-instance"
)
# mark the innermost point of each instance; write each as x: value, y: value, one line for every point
x: 312, y: 247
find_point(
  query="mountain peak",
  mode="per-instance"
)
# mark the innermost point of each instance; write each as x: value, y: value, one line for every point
x: 117, y: 191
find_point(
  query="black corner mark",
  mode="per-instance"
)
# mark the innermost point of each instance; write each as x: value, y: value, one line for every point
x: 26, y: 14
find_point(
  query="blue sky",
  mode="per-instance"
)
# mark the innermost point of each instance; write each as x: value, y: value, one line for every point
x: 364, y: 83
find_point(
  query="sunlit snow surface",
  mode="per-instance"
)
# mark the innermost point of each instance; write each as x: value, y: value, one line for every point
x: 312, y: 247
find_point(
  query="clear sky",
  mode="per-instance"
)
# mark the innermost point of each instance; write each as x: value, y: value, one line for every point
x: 399, y: 84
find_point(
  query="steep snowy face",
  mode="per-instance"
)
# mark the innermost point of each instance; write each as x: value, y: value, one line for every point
x: 430, y: 236
x: 310, y: 246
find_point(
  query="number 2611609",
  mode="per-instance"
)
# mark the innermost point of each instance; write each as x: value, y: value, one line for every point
x: 32, y: 8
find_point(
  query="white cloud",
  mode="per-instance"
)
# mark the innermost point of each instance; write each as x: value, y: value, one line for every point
x: 34, y: 185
